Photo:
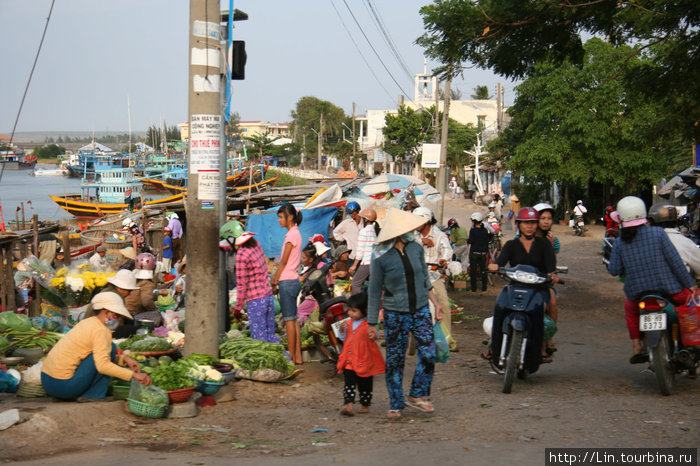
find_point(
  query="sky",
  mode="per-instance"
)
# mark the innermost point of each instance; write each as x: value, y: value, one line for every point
x: 100, y: 54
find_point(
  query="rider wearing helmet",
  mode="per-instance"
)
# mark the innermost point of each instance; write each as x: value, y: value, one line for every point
x: 349, y: 229
x: 610, y: 223
x: 665, y: 215
x: 544, y: 230
x: 479, y: 238
x: 650, y: 262
x: 527, y: 249
x: 175, y: 234
x: 438, y: 251
x: 458, y: 237
x: 580, y: 209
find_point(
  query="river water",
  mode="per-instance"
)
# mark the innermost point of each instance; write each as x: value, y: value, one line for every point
x: 19, y: 186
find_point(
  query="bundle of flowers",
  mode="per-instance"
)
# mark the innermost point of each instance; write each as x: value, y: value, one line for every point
x: 75, y: 286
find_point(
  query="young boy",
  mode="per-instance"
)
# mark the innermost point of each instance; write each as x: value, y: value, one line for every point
x: 167, y: 250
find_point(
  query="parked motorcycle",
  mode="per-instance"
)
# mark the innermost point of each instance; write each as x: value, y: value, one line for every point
x: 670, y: 352
x: 331, y: 311
x: 522, y: 296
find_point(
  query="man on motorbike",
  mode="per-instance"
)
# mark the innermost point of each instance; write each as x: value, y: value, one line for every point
x: 650, y: 262
x: 664, y: 214
x: 437, y: 252
x: 531, y: 250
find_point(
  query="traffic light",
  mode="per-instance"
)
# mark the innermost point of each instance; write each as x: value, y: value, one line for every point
x: 238, y: 59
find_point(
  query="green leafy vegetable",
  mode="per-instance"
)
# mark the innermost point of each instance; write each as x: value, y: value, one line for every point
x: 151, y: 344
x: 172, y: 376
x: 255, y: 354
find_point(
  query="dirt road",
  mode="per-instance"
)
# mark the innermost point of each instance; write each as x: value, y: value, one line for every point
x: 589, y: 397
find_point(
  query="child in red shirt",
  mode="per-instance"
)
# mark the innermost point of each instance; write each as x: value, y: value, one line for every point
x: 361, y: 358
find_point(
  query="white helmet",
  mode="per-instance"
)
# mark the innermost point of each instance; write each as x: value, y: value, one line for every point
x: 542, y: 206
x: 492, y: 205
x: 423, y: 212
x: 579, y: 202
x: 477, y: 216
x: 632, y: 211
x: 126, y: 223
x: 487, y: 325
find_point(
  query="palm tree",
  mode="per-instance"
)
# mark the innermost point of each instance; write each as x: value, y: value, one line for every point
x: 481, y: 93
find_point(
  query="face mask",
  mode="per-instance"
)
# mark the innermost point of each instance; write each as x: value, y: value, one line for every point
x: 408, y: 237
x: 112, y: 324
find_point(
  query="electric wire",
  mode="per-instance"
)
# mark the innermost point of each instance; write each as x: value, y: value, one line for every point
x: 371, y: 70
x: 26, y: 88
x: 387, y: 37
x: 374, y: 50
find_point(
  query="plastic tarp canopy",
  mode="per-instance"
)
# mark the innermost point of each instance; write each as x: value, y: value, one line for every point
x: 271, y: 236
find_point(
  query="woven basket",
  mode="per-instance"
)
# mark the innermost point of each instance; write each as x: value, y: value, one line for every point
x: 30, y: 390
x: 180, y: 396
x: 120, y: 392
x: 145, y: 410
x: 92, y: 237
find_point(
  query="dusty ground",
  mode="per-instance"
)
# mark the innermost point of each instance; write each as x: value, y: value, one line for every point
x: 589, y: 397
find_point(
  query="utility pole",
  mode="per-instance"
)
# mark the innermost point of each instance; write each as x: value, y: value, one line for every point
x: 320, y: 143
x: 206, y: 201
x: 353, y: 132
x: 499, y: 107
x: 442, y: 169
x: 436, y: 124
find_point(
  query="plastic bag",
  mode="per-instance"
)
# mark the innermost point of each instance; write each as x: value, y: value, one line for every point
x: 8, y: 383
x: 689, y: 321
x: 442, y: 348
x: 33, y: 374
x: 10, y: 320
x: 149, y: 394
x: 550, y: 328
x: 260, y: 375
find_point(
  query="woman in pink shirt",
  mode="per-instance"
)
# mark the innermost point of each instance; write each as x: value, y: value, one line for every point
x: 286, y: 278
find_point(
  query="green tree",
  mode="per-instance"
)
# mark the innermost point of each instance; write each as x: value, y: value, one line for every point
x: 571, y: 124
x: 260, y: 144
x: 511, y: 37
x: 306, y: 118
x: 50, y: 151
x: 405, y: 132
x: 481, y: 93
x: 460, y: 137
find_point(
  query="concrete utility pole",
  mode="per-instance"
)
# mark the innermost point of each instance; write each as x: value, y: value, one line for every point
x: 320, y: 144
x: 354, y: 141
x: 206, y: 201
x: 436, y: 116
x: 442, y: 169
x: 499, y: 107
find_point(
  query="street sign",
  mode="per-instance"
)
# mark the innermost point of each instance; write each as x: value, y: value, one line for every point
x: 430, y: 156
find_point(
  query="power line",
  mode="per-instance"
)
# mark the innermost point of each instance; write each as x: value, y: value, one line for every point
x: 26, y: 88
x: 387, y: 37
x: 371, y: 70
x: 374, y: 50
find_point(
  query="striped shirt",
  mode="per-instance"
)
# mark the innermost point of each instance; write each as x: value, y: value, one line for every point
x: 365, y: 243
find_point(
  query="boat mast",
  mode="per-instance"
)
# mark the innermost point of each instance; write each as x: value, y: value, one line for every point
x: 128, y: 111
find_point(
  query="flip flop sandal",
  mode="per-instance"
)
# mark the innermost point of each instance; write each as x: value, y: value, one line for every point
x: 422, y: 406
x: 551, y: 350
x: 546, y: 359
x: 639, y: 358
x: 293, y: 374
x: 394, y: 414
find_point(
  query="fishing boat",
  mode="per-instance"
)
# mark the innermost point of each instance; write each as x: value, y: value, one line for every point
x: 96, y: 155
x: 253, y: 187
x: 50, y: 171
x: 17, y: 159
x: 76, y: 206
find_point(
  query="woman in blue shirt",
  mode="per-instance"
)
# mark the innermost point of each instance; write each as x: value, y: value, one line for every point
x: 399, y: 277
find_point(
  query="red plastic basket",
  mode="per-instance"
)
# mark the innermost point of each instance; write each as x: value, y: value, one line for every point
x: 689, y: 320
x: 181, y: 395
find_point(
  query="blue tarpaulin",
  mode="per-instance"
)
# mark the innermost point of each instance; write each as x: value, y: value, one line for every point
x: 271, y: 236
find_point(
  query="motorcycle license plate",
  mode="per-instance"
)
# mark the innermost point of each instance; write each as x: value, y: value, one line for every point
x: 653, y: 321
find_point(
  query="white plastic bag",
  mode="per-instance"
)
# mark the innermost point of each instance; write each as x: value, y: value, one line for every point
x: 33, y: 374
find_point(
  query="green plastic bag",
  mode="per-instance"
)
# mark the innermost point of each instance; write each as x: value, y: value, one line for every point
x: 442, y: 348
x: 278, y: 308
x: 11, y: 321
x: 550, y: 328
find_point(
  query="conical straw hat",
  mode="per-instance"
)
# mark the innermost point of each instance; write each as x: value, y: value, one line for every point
x: 397, y: 222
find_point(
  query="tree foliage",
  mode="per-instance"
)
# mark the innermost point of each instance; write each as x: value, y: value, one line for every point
x: 49, y: 151
x: 154, y: 135
x: 306, y: 118
x: 511, y: 37
x: 571, y: 124
x: 405, y: 132
x: 481, y: 93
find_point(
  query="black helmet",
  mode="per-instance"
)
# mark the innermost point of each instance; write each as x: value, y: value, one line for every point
x: 663, y: 212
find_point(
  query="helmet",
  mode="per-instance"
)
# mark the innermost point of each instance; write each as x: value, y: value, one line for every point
x: 451, y: 222
x: 369, y: 214
x: 527, y: 214
x: 542, y: 206
x: 317, y: 238
x: 662, y: 212
x: 127, y: 222
x: 609, y: 209
x: 423, y: 212
x: 170, y: 215
x: 232, y: 228
x: 477, y: 216
x: 632, y: 211
x: 492, y: 205
x: 145, y: 265
x: 352, y: 206
x: 579, y: 201
x: 492, y: 215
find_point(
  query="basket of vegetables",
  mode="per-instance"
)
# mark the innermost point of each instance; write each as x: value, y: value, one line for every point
x: 172, y: 377
x: 142, y: 409
x: 208, y: 388
x: 147, y: 400
x: 181, y: 395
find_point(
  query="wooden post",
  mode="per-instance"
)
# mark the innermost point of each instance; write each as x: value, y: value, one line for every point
x: 17, y: 227
x: 9, y: 283
x: 3, y: 285
x: 35, y: 236
x: 65, y: 244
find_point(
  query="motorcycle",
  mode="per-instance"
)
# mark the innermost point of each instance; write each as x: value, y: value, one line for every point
x: 578, y: 226
x: 331, y: 311
x: 522, y: 296
x: 669, y: 353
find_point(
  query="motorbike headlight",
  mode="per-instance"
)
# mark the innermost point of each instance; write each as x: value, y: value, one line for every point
x: 526, y: 277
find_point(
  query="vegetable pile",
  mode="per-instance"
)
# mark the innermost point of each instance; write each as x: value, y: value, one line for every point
x: 255, y: 354
x: 31, y: 338
x: 170, y: 375
x: 144, y: 343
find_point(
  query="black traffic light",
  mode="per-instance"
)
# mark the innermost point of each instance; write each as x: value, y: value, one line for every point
x: 238, y: 59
